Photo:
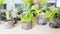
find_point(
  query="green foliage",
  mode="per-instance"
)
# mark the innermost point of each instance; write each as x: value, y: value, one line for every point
x: 42, y: 0
x: 50, y: 13
x: 58, y: 11
x: 44, y: 8
x: 1, y: 1
x: 37, y: 9
x: 52, y: 9
x: 27, y: 7
x: 3, y: 10
x: 26, y: 16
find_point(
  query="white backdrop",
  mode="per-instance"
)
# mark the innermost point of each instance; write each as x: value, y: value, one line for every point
x: 58, y: 3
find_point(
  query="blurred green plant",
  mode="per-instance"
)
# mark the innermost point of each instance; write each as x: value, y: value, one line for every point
x: 37, y: 9
x: 50, y: 13
x: 1, y: 1
x: 26, y: 16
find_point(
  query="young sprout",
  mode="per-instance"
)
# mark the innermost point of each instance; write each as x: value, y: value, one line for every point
x: 26, y: 16
x: 50, y: 13
x: 7, y: 15
x: 35, y: 8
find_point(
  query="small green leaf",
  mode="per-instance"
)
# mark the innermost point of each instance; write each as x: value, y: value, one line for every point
x: 47, y: 14
x: 35, y: 7
x: 44, y: 8
x: 38, y: 11
x: 26, y: 16
x: 52, y: 9
x: 27, y: 8
x: 3, y: 10
x: 52, y: 15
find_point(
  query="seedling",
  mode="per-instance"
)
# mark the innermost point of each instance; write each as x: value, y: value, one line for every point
x: 26, y: 16
x: 37, y: 9
x: 50, y: 13
x: 7, y: 14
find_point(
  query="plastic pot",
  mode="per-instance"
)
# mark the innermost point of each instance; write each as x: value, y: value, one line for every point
x: 7, y: 24
x: 54, y: 22
x: 27, y: 25
x: 41, y: 20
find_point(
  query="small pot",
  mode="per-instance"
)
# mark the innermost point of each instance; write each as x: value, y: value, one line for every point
x: 54, y: 22
x: 27, y: 25
x: 41, y: 20
x: 8, y: 24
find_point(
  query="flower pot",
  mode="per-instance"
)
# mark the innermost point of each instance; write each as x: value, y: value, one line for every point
x: 7, y: 24
x: 54, y: 22
x: 1, y: 22
x: 27, y: 25
x: 41, y: 20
